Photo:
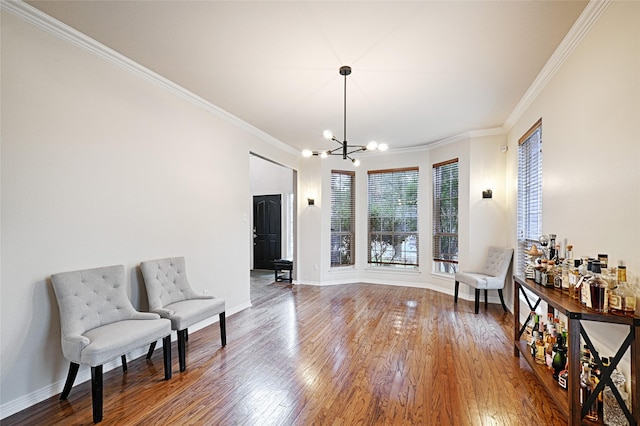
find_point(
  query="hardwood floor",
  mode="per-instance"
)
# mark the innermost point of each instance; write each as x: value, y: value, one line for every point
x: 337, y: 355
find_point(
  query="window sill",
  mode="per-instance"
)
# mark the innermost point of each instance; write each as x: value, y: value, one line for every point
x: 443, y: 275
x: 392, y: 270
x: 342, y: 269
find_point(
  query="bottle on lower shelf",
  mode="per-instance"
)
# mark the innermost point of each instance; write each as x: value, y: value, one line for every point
x: 587, y: 385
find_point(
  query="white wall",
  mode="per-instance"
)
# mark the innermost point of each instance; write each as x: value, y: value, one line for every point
x: 590, y: 115
x: 102, y: 167
x: 481, y: 221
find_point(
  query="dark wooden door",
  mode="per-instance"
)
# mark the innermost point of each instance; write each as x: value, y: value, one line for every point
x: 267, y: 232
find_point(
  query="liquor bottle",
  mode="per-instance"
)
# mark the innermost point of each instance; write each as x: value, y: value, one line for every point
x: 534, y: 334
x: 540, y: 352
x: 567, y: 264
x: 551, y: 274
x: 559, y: 357
x: 549, y: 342
x: 626, y: 294
x: 586, y: 389
x: 616, y: 295
x: 574, y: 277
x: 569, y: 253
x: 552, y: 246
x: 585, y: 293
x: 598, y: 289
x: 629, y: 301
x: 604, y: 261
x: 612, y: 414
x: 534, y: 327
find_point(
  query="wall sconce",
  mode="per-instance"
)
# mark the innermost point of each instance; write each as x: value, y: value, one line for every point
x: 487, y: 193
x: 311, y: 201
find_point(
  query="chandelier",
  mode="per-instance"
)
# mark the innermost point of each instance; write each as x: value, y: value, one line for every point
x: 345, y: 149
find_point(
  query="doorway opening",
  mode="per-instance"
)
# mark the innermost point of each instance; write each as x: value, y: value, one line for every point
x: 273, y: 222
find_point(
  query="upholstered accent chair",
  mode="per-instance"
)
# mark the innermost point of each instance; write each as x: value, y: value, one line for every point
x: 492, y: 276
x: 99, y: 324
x: 171, y: 296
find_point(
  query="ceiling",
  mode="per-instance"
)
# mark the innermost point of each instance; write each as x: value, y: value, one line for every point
x: 423, y: 71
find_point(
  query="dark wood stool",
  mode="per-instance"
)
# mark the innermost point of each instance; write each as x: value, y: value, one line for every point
x: 280, y: 266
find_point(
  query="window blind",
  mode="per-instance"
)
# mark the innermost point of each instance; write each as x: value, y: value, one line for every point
x: 445, y: 216
x: 342, y: 217
x: 393, y: 217
x: 529, y: 192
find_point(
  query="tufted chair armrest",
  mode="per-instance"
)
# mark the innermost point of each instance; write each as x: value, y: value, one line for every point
x: 163, y: 312
x: 72, y: 346
x: 202, y: 296
x: 145, y: 316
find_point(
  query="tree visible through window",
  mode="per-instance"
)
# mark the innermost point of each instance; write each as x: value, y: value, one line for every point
x: 393, y: 217
x: 342, y: 217
x: 529, y: 191
x: 445, y: 216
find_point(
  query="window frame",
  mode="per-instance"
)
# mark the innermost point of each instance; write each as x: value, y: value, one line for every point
x: 384, y: 230
x: 530, y: 200
x: 341, y: 233
x: 445, y: 263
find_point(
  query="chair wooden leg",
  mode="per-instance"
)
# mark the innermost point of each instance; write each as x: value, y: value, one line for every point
x: 71, y: 377
x: 504, y: 307
x: 186, y: 335
x: 477, y: 300
x: 96, y: 393
x: 223, y: 329
x: 166, y: 350
x: 486, y: 298
x: 455, y: 292
x: 124, y: 363
x: 181, y: 349
x: 152, y: 347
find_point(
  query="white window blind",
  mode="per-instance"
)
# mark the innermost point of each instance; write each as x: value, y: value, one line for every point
x: 393, y: 217
x: 529, y: 191
x: 445, y: 216
x: 342, y: 217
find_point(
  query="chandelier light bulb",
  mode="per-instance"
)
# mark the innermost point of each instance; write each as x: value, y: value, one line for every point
x: 344, y: 150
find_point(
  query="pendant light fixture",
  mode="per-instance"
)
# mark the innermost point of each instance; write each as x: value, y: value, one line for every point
x: 345, y: 149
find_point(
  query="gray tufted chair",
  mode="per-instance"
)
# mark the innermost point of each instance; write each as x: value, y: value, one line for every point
x: 492, y: 276
x: 100, y: 324
x: 171, y: 296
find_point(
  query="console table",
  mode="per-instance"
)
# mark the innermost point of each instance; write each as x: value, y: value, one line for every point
x: 569, y: 402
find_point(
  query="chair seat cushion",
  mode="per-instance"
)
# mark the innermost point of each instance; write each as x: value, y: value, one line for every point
x: 188, y: 312
x: 479, y: 281
x: 110, y: 341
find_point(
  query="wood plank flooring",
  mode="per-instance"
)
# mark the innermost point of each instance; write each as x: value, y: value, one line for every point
x: 338, y: 355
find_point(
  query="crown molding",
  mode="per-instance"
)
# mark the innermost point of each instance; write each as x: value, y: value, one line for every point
x: 451, y: 139
x: 37, y: 18
x: 51, y: 25
x: 586, y: 20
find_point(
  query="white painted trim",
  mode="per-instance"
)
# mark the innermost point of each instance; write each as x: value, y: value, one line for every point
x: 45, y: 22
x: 586, y: 20
x: 588, y: 17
